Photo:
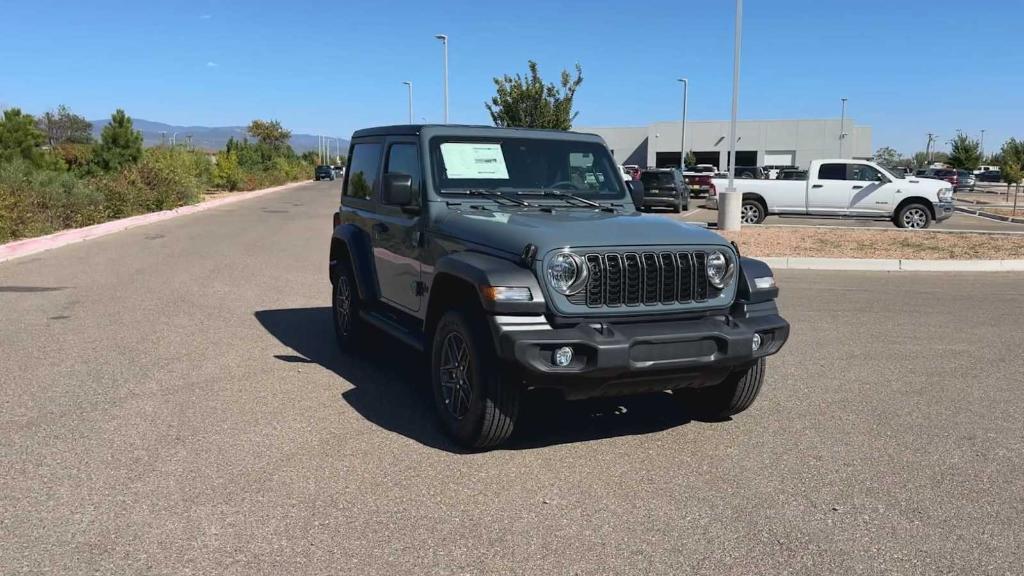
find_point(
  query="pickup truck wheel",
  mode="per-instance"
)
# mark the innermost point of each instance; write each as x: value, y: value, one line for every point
x: 677, y: 207
x: 733, y: 395
x: 348, y: 326
x: 915, y: 216
x: 475, y: 399
x: 752, y: 212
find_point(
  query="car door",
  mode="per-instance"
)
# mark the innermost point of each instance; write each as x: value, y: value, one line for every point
x: 871, y: 192
x: 396, y: 230
x: 828, y: 192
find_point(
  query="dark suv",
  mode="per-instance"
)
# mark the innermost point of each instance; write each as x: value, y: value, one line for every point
x: 664, y: 188
x: 515, y: 260
x: 323, y: 172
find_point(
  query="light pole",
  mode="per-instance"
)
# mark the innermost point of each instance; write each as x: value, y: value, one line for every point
x: 409, y: 84
x: 928, y: 149
x: 444, y: 44
x: 682, y: 137
x: 981, y: 146
x: 729, y: 201
x: 842, y: 128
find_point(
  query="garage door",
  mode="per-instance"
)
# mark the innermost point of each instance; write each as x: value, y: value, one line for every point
x: 780, y: 158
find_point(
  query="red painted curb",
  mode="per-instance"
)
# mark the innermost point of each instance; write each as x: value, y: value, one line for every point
x: 28, y: 246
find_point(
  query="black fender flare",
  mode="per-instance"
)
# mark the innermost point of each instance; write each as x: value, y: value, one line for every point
x: 352, y: 242
x: 480, y: 270
x: 746, y: 290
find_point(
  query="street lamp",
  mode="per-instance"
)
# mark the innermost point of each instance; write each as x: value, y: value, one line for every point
x: 729, y: 201
x: 444, y: 44
x: 981, y: 146
x: 682, y: 138
x: 409, y: 84
x: 842, y: 128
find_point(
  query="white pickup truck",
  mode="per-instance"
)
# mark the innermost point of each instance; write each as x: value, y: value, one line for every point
x: 845, y: 188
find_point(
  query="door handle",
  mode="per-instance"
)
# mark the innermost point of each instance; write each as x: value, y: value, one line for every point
x: 857, y: 187
x: 816, y: 185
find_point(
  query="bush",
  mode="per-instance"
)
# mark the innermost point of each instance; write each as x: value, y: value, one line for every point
x: 36, y: 201
x: 227, y: 174
x: 171, y: 177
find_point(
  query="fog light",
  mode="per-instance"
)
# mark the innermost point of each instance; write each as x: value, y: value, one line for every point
x: 563, y: 356
x: 756, y: 343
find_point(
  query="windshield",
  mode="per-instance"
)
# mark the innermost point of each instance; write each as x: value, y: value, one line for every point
x: 584, y: 169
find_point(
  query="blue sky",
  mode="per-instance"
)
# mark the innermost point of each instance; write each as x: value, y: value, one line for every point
x: 908, y: 67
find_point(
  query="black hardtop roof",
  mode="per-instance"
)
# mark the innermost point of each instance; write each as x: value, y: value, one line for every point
x: 473, y: 131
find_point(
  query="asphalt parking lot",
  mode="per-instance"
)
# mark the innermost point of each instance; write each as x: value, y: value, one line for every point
x: 172, y: 402
x: 957, y: 221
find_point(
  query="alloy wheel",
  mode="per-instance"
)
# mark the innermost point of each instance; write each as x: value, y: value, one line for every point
x: 750, y: 214
x: 915, y: 218
x: 343, y: 304
x: 456, y: 389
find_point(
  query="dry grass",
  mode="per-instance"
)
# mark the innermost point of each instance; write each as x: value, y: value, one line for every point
x: 890, y: 244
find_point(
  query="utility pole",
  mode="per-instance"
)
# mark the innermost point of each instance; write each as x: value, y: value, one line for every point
x: 682, y: 137
x: 982, y: 145
x: 444, y: 44
x: 842, y: 128
x: 928, y: 148
x: 729, y: 201
x: 409, y: 84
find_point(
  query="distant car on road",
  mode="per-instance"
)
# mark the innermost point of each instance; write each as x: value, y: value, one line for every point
x: 847, y: 189
x: 990, y: 176
x: 664, y: 188
x: 323, y: 172
x: 958, y: 178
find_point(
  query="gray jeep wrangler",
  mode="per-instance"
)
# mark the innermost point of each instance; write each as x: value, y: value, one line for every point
x: 515, y: 259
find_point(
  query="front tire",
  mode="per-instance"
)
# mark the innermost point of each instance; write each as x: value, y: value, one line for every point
x: 730, y: 397
x: 476, y: 401
x: 914, y: 217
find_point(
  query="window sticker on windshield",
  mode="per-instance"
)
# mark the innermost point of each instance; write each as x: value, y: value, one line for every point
x: 476, y: 160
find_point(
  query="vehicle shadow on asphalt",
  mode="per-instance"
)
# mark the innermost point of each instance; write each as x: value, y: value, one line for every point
x: 390, y: 389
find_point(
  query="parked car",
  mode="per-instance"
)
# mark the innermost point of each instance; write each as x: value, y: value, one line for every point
x: 626, y: 177
x: 985, y: 168
x: 473, y: 245
x: 698, y: 180
x: 323, y: 172
x: 633, y: 170
x: 990, y: 176
x: 792, y: 175
x: 958, y: 178
x: 664, y: 188
x: 339, y: 171
x: 750, y: 172
x: 849, y: 189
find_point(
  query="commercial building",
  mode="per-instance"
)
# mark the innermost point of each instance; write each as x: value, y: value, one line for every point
x: 759, y: 142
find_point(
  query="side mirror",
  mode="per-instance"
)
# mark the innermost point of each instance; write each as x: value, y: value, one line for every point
x: 636, y: 192
x: 397, y: 189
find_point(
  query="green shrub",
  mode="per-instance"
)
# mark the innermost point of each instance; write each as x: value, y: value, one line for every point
x: 37, y: 201
x: 227, y: 174
x: 171, y: 177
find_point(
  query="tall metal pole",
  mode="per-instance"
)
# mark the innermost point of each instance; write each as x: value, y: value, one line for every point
x: 928, y: 149
x: 682, y: 137
x: 982, y: 145
x: 444, y: 44
x: 842, y: 129
x: 729, y: 201
x: 409, y: 84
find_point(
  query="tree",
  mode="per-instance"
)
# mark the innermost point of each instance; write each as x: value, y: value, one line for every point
x: 120, y: 144
x: 1012, y: 152
x: 19, y: 137
x: 888, y: 157
x: 65, y: 127
x: 529, y: 103
x: 269, y: 133
x: 965, y: 153
x: 690, y: 159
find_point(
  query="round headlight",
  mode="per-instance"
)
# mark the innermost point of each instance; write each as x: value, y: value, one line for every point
x: 567, y: 273
x: 719, y: 270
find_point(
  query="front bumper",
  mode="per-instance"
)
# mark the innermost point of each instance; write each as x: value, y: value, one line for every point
x: 621, y: 358
x: 943, y: 210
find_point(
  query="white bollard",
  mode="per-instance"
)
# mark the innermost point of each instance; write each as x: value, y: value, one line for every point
x: 729, y: 209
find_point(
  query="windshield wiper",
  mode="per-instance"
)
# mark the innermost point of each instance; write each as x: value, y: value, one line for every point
x: 558, y: 194
x: 488, y: 194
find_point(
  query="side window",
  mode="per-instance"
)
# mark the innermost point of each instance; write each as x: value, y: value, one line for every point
x: 832, y: 172
x: 862, y: 172
x: 405, y: 159
x: 362, y: 171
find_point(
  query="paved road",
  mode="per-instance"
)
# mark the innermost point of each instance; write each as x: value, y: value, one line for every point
x: 957, y: 221
x: 171, y: 402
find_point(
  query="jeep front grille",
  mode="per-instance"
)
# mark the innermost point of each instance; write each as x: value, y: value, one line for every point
x: 637, y: 278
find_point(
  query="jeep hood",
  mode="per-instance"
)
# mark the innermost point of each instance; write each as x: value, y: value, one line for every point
x: 509, y: 230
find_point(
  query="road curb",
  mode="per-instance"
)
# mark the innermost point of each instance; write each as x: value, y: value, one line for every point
x: 28, y: 246
x: 892, y: 265
x: 990, y: 216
